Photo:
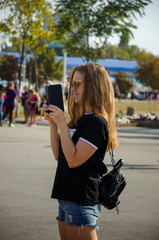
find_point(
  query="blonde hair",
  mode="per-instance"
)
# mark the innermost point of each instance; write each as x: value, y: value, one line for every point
x: 98, y: 91
x: 10, y: 84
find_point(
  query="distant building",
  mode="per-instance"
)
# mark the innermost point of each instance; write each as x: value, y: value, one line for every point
x: 112, y: 65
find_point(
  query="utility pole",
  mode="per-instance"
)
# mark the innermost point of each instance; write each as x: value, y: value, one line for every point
x: 64, y: 68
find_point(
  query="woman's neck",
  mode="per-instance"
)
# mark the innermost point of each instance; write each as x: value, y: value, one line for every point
x: 88, y: 109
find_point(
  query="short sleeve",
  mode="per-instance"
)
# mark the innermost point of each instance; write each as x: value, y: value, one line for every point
x: 15, y: 92
x: 95, y: 131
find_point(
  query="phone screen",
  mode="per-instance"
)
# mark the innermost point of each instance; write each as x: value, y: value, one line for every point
x: 54, y: 95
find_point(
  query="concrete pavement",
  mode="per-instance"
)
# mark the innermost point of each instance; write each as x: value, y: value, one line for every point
x: 27, y: 169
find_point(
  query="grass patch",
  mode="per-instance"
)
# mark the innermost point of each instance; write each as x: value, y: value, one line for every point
x: 141, y: 107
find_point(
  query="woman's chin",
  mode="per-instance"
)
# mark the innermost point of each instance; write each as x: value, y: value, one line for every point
x: 76, y: 100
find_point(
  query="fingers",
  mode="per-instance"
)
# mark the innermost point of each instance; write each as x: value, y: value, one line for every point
x: 47, y: 117
x: 44, y: 107
x: 48, y: 112
x: 49, y: 107
x: 55, y: 114
x: 53, y: 108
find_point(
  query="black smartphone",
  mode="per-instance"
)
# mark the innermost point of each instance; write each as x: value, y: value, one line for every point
x: 54, y: 95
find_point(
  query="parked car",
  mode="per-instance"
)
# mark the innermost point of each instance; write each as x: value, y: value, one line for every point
x: 148, y: 95
x: 142, y: 96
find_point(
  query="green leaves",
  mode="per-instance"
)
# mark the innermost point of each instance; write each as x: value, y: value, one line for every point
x: 28, y: 23
x: 8, y: 65
x: 122, y: 79
x: 148, y: 71
x: 79, y: 20
x: 47, y: 63
x: 26, y: 20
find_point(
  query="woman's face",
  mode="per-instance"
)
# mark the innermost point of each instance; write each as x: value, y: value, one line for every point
x: 77, y: 87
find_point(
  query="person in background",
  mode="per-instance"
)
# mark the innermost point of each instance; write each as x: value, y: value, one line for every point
x: 16, y: 87
x: 23, y: 101
x: 27, y: 107
x: 117, y: 91
x: 66, y: 90
x: 33, y: 101
x: 42, y: 91
x: 156, y: 95
x: 79, y: 146
x: 2, y: 90
x: 10, y: 102
x: 4, y: 103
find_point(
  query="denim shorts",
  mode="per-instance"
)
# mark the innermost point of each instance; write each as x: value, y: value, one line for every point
x: 75, y: 214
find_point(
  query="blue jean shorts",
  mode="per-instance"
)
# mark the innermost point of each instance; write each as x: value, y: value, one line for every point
x: 75, y: 214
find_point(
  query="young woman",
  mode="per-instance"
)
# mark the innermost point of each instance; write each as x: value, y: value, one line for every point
x: 79, y: 146
x: 33, y: 100
x: 10, y: 102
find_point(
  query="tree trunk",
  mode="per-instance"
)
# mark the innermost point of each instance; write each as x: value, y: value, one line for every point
x: 30, y: 72
x: 36, y: 72
x: 21, y: 62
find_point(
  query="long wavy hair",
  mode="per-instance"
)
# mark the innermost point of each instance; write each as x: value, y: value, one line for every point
x: 98, y: 91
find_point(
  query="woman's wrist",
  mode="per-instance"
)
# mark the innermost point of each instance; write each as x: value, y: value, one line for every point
x: 63, y: 126
x: 52, y: 123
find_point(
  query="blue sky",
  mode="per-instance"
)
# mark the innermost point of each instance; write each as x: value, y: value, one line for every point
x: 146, y: 36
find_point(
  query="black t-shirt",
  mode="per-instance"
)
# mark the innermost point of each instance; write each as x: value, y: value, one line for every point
x: 80, y: 184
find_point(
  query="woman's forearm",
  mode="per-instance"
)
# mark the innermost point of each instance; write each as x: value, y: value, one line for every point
x: 59, y: 121
x: 54, y: 139
x: 68, y: 147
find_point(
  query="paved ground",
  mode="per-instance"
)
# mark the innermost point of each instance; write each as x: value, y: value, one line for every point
x: 27, y: 170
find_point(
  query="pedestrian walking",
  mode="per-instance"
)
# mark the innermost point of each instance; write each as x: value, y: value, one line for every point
x: 2, y: 90
x: 79, y: 146
x: 16, y: 87
x: 11, y: 95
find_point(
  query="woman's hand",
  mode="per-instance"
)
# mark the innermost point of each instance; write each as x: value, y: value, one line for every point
x: 57, y: 116
x: 46, y: 114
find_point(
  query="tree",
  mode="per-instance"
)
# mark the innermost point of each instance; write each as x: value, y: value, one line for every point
x: 30, y: 71
x: 46, y: 66
x: 116, y: 52
x: 132, y: 52
x: 124, y: 83
x: 8, y: 65
x: 124, y: 40
x: 135, y: 53
x: 25, y: 24
x: 51, y: 68
x: 81, y: 21
x: 148, y: 72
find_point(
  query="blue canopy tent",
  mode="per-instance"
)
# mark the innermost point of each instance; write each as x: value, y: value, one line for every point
x: 112, y: 65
